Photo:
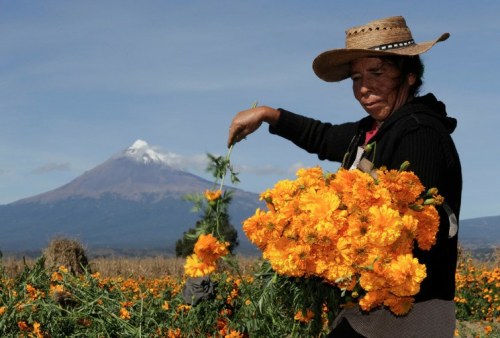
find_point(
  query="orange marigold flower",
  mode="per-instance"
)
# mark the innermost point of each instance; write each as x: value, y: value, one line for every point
x: 124, y: 313
x: 183, y: 308
x: 63, y: 269
x: 209, y: 249
x: 304, y: 317
x: 174, y: 333
x: 56, y: 289
x: 3, y: 309
x: 56, y: 277
x: 405, y: 275
x: 212, y: 195
x: 37, y: 330
x: 32, y: 292
x: 165, y: 306
x: 234, y: 334
x: 195, y: 267
x: 373, y: 299
x: 428, y: 224
x: 385, y: 226
x: 403, y: 185
x: 399, y: 305
x: 23, y: 326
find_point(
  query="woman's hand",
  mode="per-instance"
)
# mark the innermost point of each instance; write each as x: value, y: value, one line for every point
x: 248, y: 121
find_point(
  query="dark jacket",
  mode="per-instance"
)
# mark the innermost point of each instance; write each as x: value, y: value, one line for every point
x: 418, y: 132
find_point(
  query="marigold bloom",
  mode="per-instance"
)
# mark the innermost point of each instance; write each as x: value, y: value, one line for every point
x: 212, y: 195
x: 37, y: 330
x: 209, y: 249
x: 31, y: 291
x: 56, y: 277
x: 124, y: 313
x: 399, y: 305
x: 234, y: 334
x: 174, y: 333
x: 304, y: 317
x: 195, y: 267
x: 3, y: 309
x: 63, y: 269
x: 23, y: 326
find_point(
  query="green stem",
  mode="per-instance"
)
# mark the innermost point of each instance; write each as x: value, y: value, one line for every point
x: 226, y: 168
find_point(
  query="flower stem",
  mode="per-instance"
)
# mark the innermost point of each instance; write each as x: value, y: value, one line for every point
x: 227, y: 165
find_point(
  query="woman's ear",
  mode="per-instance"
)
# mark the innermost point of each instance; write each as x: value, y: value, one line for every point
x: 411, y: 79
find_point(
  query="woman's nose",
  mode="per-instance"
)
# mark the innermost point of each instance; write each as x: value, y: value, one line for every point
x: 365, y: 86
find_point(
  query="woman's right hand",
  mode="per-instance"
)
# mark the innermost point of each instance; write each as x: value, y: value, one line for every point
x: 248, y: 121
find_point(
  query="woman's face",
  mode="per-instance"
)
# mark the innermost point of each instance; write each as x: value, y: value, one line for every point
x: 378, y: 87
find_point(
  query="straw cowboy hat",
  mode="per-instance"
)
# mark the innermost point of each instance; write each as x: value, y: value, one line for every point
x: 388, y: 36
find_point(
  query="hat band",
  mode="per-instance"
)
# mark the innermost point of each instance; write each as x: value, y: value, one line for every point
x: 394, y: 45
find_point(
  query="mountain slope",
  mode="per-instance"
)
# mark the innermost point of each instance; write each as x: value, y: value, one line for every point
x: 482, y: 232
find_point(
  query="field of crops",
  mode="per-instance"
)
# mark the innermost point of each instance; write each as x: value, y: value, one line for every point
x: 132, y: 297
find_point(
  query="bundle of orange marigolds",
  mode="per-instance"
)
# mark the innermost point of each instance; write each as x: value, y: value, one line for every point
x: 350, y: 229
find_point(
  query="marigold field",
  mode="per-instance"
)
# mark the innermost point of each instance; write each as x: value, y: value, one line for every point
x: 143, y: 298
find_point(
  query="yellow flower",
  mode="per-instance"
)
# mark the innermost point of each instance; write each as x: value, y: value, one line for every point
x: 385, y: 225
x: 37, y: 330
x: 304, y: 317
x: 56, y: 277
x: 63, y: 269
x: 404, y: 186
x: 32, y: 293
x: 234, y: 334
x: 174, y: 333
x: 23, y: 326
x: 209, y: 249
x: 399, y: 305
x: 212, y: 196
x: 405, y: 275
x: 124, y: 314
x: 195, y: 267
x: 427, y: 229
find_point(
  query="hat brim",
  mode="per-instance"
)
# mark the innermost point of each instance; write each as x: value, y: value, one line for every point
x: 333, y: 65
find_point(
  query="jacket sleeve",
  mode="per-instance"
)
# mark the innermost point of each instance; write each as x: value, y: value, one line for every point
x: 328, y: 141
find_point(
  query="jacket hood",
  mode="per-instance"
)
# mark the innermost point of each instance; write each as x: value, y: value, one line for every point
x: 425, y: 105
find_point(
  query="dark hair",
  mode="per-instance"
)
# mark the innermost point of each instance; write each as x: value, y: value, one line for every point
x: 408, y: 65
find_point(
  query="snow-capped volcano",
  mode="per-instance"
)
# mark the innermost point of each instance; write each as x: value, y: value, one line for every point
x: 137, y: 171
x: 141, y: 151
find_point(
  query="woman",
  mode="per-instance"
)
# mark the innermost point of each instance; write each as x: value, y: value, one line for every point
x: 383, y: 62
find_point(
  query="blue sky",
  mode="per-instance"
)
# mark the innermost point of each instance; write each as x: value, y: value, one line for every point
x: 82, y: 80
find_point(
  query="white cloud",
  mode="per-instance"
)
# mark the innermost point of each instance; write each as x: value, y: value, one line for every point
x: 181, y: 162
x: 51, y: 167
